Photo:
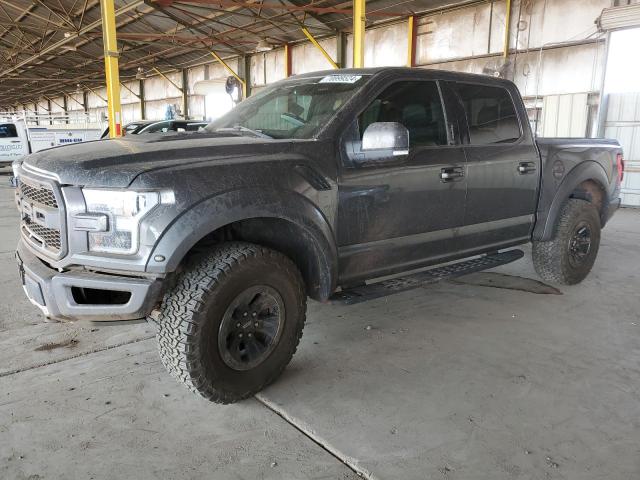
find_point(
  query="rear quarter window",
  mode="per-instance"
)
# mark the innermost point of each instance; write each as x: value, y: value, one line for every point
x: 491, y: 114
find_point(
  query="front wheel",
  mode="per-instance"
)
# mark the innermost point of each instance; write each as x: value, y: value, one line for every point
x: 232, y: 322
x: 569, y: 256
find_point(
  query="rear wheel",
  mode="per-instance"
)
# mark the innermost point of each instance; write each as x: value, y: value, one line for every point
x: 233, y: 321
x: 570, y: 255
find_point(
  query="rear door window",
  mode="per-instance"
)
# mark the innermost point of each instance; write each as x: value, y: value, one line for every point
x: 491, y: 114
x: 8, y: 130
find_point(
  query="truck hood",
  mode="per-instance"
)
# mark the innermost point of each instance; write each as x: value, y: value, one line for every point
x: 116, y: 163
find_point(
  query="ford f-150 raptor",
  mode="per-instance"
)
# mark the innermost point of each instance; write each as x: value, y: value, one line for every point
x: 315, y: 187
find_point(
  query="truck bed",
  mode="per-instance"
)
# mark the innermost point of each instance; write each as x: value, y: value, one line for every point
x: 573, y: 157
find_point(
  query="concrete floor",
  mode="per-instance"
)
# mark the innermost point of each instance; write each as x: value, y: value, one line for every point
x: 452, y: 381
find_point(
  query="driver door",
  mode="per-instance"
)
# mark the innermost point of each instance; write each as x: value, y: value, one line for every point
x: 403, y: 213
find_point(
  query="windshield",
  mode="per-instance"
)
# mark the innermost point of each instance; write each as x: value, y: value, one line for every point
x: 157, y: 127
x: 132, y: 127
x: 293, y: 110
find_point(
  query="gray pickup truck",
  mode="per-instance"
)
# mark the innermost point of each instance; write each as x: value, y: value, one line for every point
x: 315, y: 187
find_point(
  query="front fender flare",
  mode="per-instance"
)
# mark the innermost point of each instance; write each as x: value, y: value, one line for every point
x: 217, y: 211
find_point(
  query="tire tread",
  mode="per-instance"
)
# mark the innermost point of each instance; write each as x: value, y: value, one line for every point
x: 182, y: 316
x: 548, y: 257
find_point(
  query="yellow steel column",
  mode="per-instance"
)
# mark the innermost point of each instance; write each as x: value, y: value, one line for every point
x: 111, y: 67
x: 411, y: 41
x: 287, y: 60
x: 358, y: 33
x: 507, y: 30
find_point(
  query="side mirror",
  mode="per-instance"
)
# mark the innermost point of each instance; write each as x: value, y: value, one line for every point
x: 382, y: 143
x: 390, y: 136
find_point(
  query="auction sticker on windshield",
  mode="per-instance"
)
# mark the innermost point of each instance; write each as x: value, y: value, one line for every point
x: 340, y: 79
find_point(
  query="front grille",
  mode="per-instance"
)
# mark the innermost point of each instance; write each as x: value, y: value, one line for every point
x: 48, y: 238
x: 42, y: 220
x: 39, y: 194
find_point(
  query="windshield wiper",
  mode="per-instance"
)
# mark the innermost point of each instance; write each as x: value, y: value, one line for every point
x: 243, y: 129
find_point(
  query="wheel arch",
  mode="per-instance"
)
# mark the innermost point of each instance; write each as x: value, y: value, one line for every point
x: 587, y: 181
x: 284, y: 221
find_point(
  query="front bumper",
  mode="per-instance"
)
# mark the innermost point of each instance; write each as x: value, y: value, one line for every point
x: 51, y: 291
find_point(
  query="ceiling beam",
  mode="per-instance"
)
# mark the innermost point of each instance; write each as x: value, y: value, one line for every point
x: 277, y: 6
x: 74, y: 35
x: 63, y: 18
x: 188, y: 25
x: 31, y: 13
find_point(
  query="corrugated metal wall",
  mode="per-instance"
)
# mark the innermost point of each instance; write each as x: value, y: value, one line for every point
x: 623, y: 123
x: 468, y: 39
x: 565, y: 115
x: 307, y: 58
x: 557, y: 55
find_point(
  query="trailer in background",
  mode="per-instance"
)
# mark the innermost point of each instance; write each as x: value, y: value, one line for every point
x: 24, y: 133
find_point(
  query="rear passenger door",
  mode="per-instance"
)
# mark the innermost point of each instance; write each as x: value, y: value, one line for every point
x: 502, y: 166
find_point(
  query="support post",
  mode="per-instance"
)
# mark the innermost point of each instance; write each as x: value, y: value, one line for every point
x: 603, y: 98
x: 65, y: 102
x: 315, y: 43
x: 185, y: 93
x: 341, y: 49
x: 244, y: 69
x: 111, y: 67
x: 358, y: 33
x: 507, y: 30
x: 412, y: 37
x: 287, y: 60
x: 143, y: 109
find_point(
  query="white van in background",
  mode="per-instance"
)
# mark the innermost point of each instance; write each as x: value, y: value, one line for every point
x: 21, y: 134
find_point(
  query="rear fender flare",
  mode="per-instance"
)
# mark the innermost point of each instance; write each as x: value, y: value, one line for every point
x: 545, y: 226
x: 218, y: 211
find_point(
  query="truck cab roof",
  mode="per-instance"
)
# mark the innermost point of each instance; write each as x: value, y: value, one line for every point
x: 409, y: 72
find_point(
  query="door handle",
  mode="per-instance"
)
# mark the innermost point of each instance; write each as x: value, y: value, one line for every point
x: 451, y: 174
x: 526, y: 167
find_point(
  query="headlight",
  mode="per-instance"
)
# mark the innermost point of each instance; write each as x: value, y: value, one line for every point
x: 124, y: 209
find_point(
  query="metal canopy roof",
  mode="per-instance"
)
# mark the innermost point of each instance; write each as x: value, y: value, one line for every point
x: 49, y: 46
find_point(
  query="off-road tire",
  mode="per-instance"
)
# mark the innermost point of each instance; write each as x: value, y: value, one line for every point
x: 192, y: 311
x: 552, y: 259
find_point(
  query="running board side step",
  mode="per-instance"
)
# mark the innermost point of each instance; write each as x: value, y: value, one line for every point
x: 372, y: 291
